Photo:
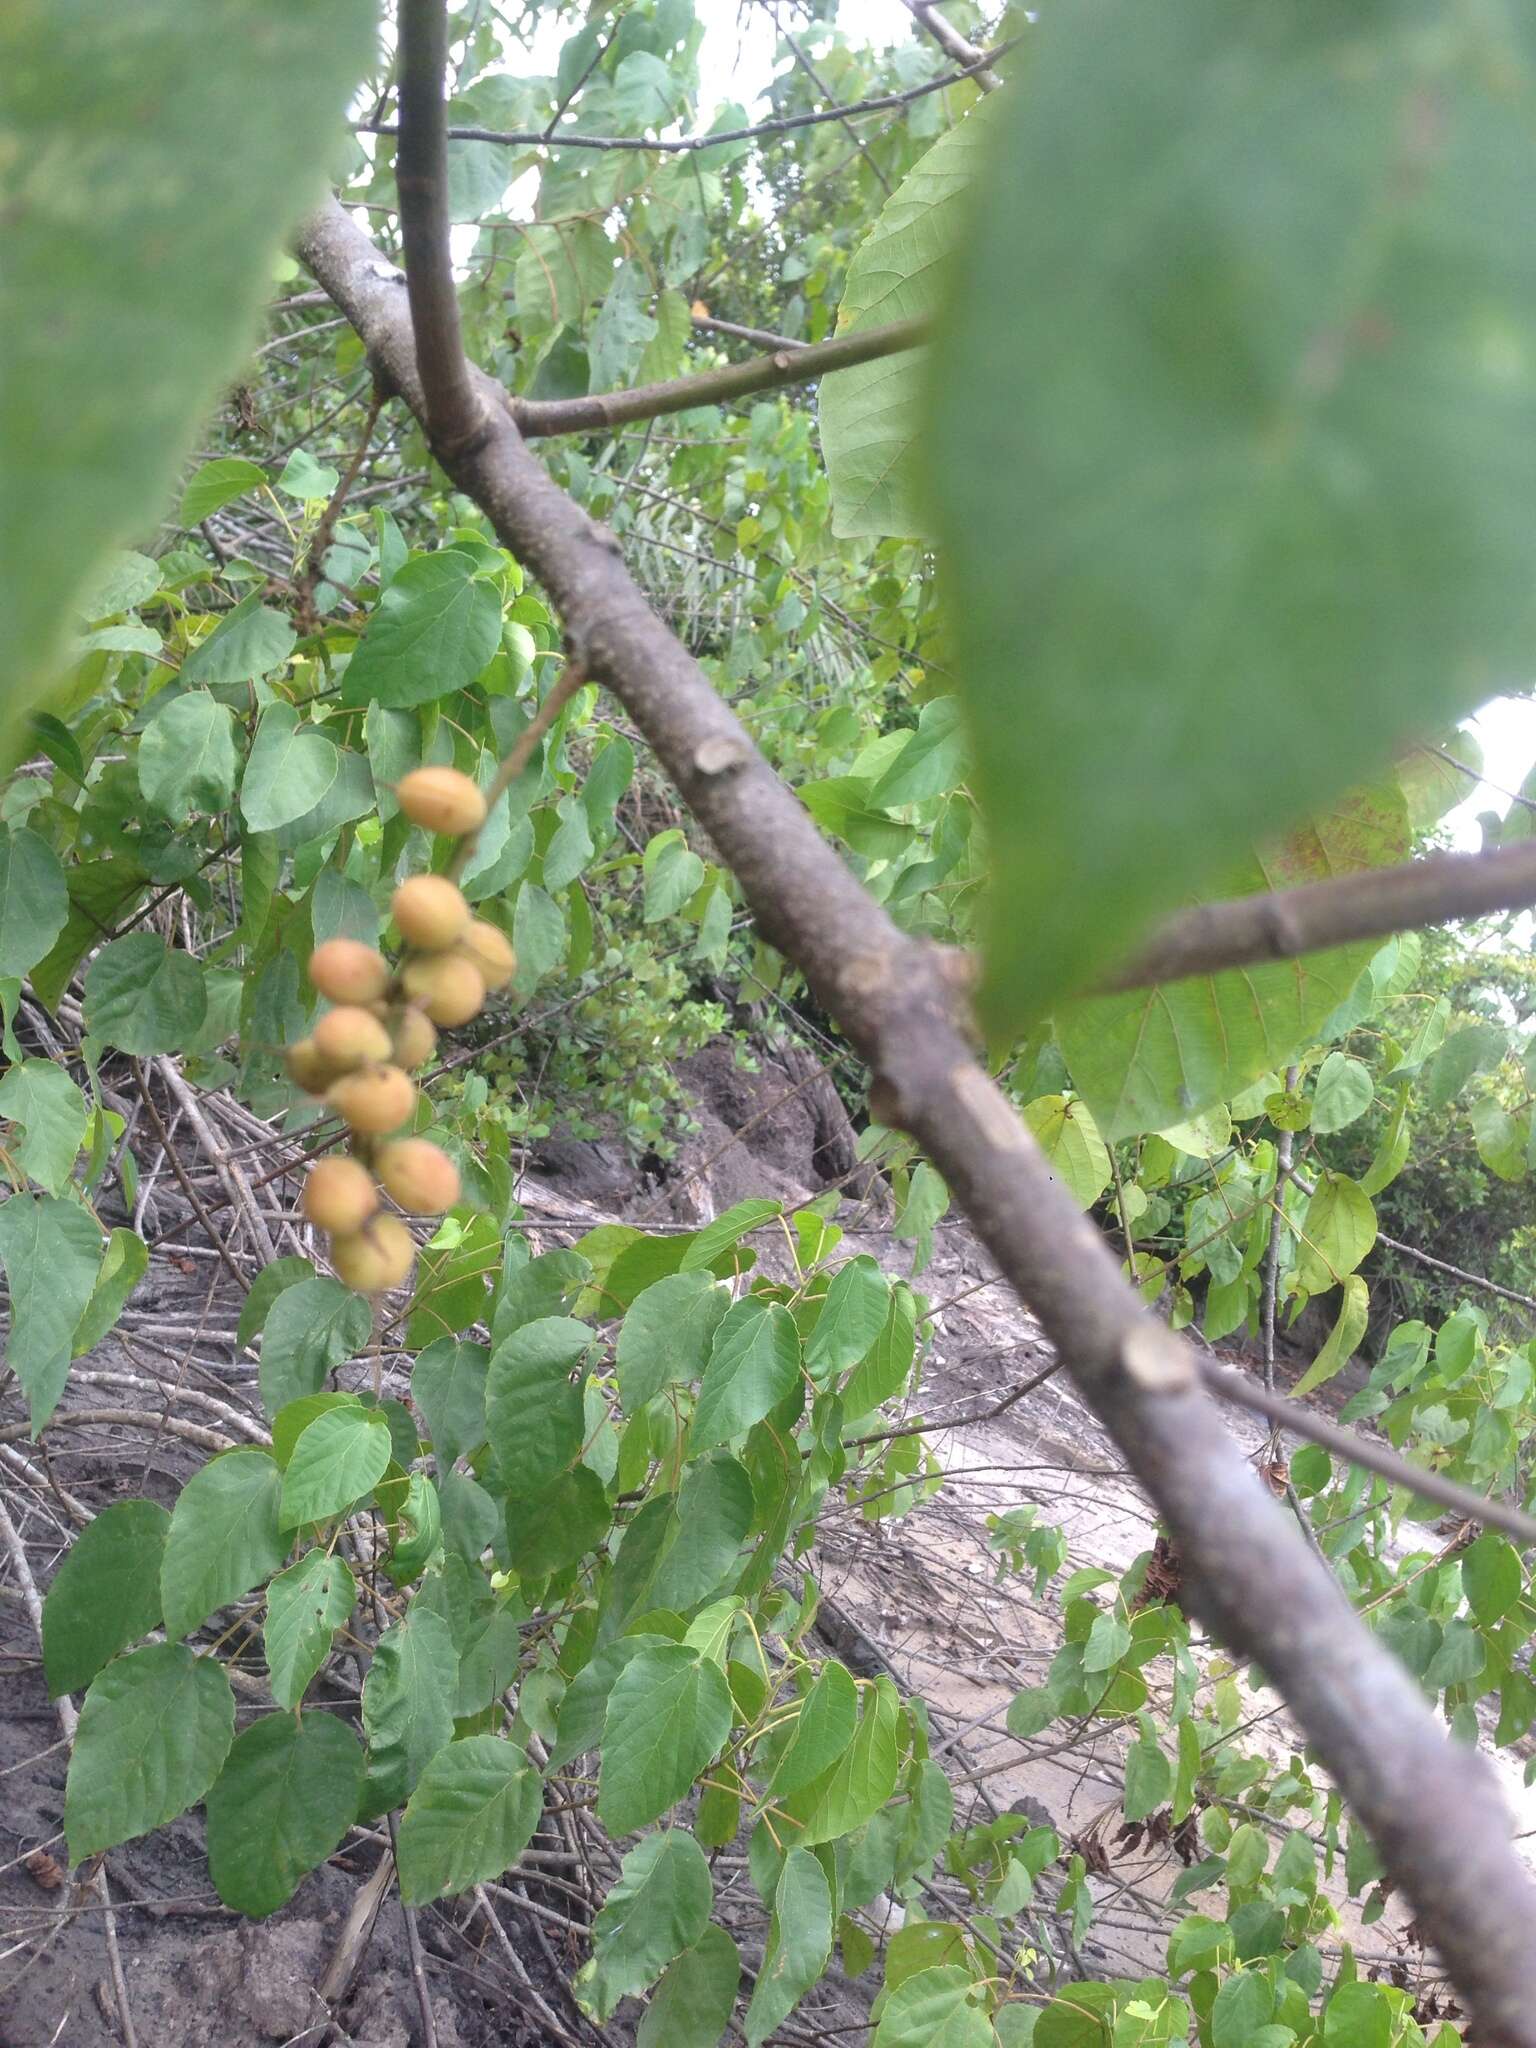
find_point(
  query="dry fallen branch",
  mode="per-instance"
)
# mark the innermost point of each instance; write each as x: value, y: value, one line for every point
x: 1432, y: 1806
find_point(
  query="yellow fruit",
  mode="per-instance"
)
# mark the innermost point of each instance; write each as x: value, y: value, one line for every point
x: 419, y: 1175
x: 347, y: 971
x: 306, y: 1069
x: 374, y: 1100
x: 441, y: 799
x: 339, y: 1195
x: 491, y: 950
x: 377, y: 1257
x: 415, y: 1037
x: 430, y: 911
x: 349, y: 1037
x: 447, y: 986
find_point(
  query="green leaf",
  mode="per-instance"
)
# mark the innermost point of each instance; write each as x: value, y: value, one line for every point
x: 940, y: 2008
x: 1069, y: 1138
x: 1337, y: 1231
x: 672, y: 872
x: 752, y: 1365
x: 51, y: 1251
x: 51, y: 1110
x: 306, y: 479
x: 622, y: 328
x: 1349, y: 1327
x: 555, y: 1528
x: 305, y: 1606
x: 224, y: 1537
x: 1151, y: 1058
x: 668, y: 1714
x: 1473, y: 1050
x: 408, y: 1699
x: 284, y: 1800
x: 436, y: 625
x: 247, y: 644
x: 34, y: 900
x: 121, y: 342
x: 1357, y: 2015
x: 1243, y: 2005
x: 1491, y: 1577
x: 105, y: 1594
x: 1154, y: 499
x: 885, y: 1370
x: 143, y: 996
x: 1148, y: 1776
x: 870, y: 414
x: 694, y: 2001
x: 931, y: 761
x: 667, y: 1335
x: 1343, y: 1093
x: 474, y: 1810
x: 823, y: 1731
x: 291, y: 767
x: 852, y: 1316
x: 585, y: 1705
x: 448, y: 1387
x: 312, y: 1326
x: 799, y: 1944
x: 865, y: 1775
x: 714, y: 1513
x: 154, y: 1731
x: 187, y: 757
x: 123, y: 1266
x: 337, y: 1462
x: 217, y: 484
x: 727, y: 1230
x: 534, y: 1411
x: 658, y: 1907
x: 538, y: 936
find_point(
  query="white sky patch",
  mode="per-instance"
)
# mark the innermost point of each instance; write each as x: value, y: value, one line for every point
x: 1505, y: 729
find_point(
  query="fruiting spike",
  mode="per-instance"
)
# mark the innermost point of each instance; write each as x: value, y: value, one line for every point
x: 374, y: 1100
x: 491, y: 950
x: 431, y: 912
x: 447, y: 986
x: 418, y: 1175
x: 377, y: 1257
x: 348, y: 1037
x: 306, y: 1069
x: 339, y: 1195
x: 441, y: 799
x: 347, y: 971
x: 415, y: 1038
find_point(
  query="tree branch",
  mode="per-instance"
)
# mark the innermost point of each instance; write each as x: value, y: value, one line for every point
x: 688, y: 145
x: 793, y: 364
x: 1432, y: 1806
x: 1236, y: 1387
x: 952, y: 43
x: 1247, y: 930
x: 456, y: 417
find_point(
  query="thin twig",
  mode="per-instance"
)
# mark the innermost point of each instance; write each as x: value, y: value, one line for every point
x: 571, y: 678
x: 539, y: 417
x: 688, y: 145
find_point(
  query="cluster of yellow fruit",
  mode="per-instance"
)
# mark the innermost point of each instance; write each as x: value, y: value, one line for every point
x: 360, y: 1054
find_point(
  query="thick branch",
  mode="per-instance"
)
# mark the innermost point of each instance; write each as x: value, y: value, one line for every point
x: 456, y: 416
x: 975, y: 67
x: 1432, y: 1806
x: 1370, y: 905
x: 788, y: 365
x: 952, y: 43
